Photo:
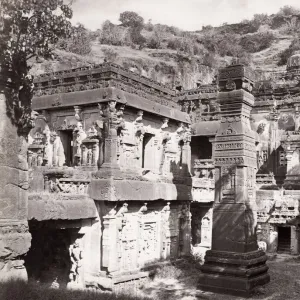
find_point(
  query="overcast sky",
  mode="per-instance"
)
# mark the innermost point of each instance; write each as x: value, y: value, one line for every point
x: 185, y: 14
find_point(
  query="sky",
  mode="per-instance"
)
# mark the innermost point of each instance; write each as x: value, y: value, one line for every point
x: 184, y: 14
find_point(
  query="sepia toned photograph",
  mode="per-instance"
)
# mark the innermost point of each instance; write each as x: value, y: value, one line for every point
x: 149, y: 149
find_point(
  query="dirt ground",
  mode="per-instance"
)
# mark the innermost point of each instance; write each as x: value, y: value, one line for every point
x: 179, y: 282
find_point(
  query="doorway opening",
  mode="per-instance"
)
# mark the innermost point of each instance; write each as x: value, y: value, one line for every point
x: 284, y: 239
x: 66, y: 137
x: 147, y: 154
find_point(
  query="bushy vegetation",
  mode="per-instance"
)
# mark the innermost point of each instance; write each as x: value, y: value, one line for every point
x: 287, y: 53
x: 79, y: 42
x: 20, y: 290
x: 257, y: 42
x: 114, y: 35
x: 110, y: 55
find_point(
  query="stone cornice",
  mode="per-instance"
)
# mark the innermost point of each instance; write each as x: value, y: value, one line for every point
x: 93, y: 97
x: 100, y: 76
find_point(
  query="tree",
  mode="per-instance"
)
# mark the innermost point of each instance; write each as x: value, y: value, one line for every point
x: 131, y: 19
x: 29, y: 29
x: 135, y: 23
x: 288, y: 11
x: 79, y: 42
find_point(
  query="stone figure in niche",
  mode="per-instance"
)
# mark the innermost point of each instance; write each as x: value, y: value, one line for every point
x: 261, y: 128
x: 54, y: 186
x: 186, y: 106
x: 58, y: 150
x: 89, y: 156
x: 79, y: 135
x: 92, y: 132
x: 140, y: 131
x: 262, y: 245
x: 286, y: 122
x: 230, y: 85
x: 76, y: 256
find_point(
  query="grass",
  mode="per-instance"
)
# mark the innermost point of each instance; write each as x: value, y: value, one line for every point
x: 173, y: 281
x: 20, y: 290
x: 179, y: 281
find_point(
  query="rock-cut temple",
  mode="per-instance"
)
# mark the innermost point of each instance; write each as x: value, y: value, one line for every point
x: 124, y: 172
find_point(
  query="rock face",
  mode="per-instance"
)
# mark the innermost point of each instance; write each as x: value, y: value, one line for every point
x: 14, y: 235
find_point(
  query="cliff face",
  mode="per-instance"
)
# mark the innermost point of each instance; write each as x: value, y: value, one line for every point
x: 187, y: 58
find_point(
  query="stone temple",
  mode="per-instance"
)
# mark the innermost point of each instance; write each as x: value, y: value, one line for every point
x: 124, y: 172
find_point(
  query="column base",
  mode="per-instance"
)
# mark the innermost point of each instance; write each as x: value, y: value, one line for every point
x: 233, y: 273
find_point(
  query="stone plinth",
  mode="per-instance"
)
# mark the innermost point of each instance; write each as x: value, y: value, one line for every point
x: 14, y: 236
x: 234, y: 265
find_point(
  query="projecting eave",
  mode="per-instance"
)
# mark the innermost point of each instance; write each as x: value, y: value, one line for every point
x: 95, y: 96
x: 205, y: 128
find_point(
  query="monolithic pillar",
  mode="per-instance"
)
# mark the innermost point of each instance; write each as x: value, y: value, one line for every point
x: 113, y: 122
x: 14, y: 235
x: 234, y: 264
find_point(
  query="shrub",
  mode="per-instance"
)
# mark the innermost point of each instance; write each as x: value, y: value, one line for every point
x: 149, y: 26
x: 288, y: 11
x: 109, y: 54
x: 136, y: 37
x: 79, y: 42
x: 174, y: 44
x: 260, y: 19
x: 287, y: 53
x: 114, y: 35
x: 209, y: 60
x: 257, y: 42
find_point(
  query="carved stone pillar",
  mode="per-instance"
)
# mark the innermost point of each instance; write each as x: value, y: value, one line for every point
x: 84, y: 155
x: 289, y: 155
x: 274, y: 141
x: 234, y: 264
x: 109, y: 244
x: 186, y: 157
x: 14, y: 234
x: 113, y: 124
x: 185, y: 230
x: 294, y: 240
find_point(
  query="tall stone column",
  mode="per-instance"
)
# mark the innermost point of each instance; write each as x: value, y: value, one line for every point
x: 14, y: 235
x: 274, y: 141
x: 113, y: 121
x: 234, y: 264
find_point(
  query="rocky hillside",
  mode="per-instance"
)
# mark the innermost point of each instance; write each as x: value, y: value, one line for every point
x: 175, y: 57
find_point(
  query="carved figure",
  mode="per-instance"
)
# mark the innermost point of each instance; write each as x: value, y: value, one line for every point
x: 58, y: 150
x: 76, y: 256
x: 80, y: 135
x: 262, y: 245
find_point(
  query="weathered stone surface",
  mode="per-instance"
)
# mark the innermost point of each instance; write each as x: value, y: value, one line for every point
x: 59, y: 206
x: 14, y: 236
x: 105, y: 189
